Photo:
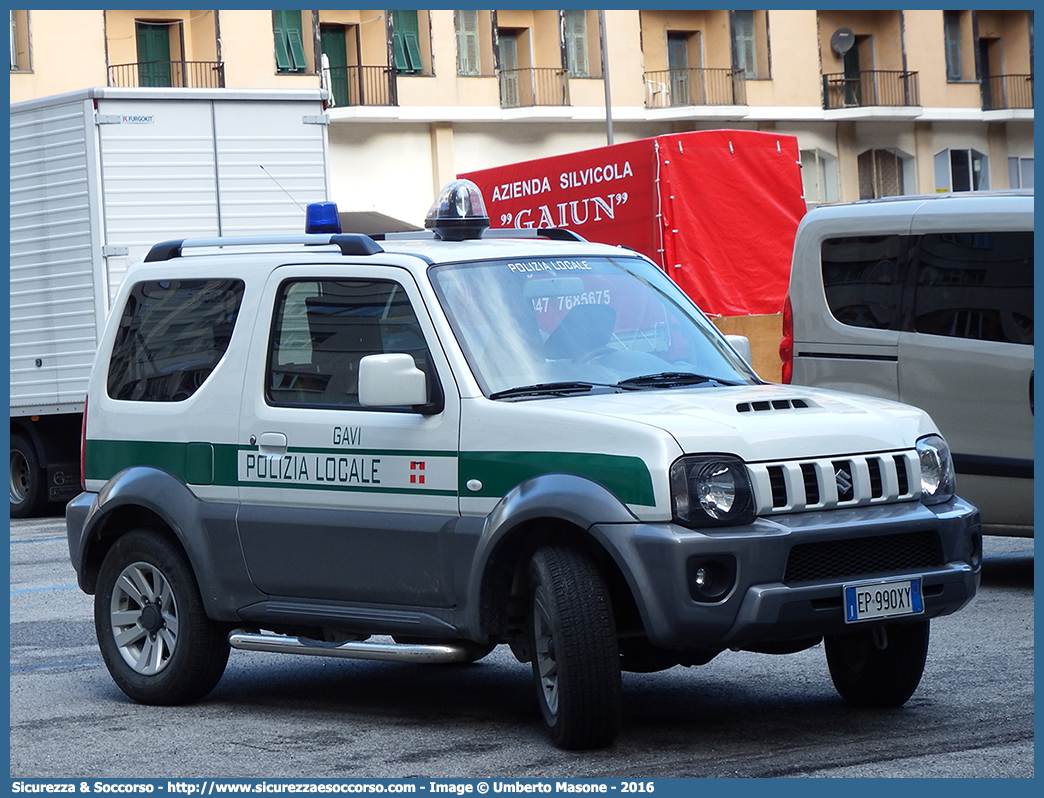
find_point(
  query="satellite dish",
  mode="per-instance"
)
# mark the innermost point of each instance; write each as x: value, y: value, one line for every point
x: 842, y: 40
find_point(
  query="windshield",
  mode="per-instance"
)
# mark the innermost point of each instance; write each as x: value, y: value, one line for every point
x: 555, y: 326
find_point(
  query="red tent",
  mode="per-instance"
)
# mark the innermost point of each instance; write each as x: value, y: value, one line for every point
x: 717, y: 210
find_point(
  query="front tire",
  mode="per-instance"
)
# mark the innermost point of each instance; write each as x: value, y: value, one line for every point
x: 156, y: 640
x: 878, y: 668
x: 28, y: 491
x: 576, y: 659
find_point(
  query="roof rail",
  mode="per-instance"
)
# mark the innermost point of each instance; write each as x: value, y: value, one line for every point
x: 552, y: 233
x: 348, y: 243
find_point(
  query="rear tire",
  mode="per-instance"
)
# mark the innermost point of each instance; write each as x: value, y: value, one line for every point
x: 156, y: 640
x: 28, y: 478
x: 867, y: 675
x: 576, y: 659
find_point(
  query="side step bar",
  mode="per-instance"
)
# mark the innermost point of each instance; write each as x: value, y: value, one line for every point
x: 424, y: 654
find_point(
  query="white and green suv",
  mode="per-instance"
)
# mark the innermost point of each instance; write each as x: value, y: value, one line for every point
x: 421, y: 447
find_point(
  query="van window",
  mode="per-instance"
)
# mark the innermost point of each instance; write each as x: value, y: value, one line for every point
x: 961, y: 285
x: 172, y: 334
x: 323, y: 328
x: 863, y: 280
x: 976, y: 285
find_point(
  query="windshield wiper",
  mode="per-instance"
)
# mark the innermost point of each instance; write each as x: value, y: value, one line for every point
x: 548, y: 389
x: 671, y: 379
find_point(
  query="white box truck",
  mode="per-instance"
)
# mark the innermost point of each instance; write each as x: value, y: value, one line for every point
x: 97, y: 177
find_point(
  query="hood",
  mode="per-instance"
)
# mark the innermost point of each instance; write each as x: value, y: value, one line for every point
x: 763, y: 422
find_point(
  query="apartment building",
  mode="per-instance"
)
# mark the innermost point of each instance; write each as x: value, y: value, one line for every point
x: 882, y: 102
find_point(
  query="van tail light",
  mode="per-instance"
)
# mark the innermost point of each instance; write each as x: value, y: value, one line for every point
x: 83, y: 448
x: 786, y: 345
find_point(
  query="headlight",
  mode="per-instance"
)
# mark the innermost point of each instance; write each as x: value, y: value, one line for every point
x: 711, y: 490
x: 938, y: 482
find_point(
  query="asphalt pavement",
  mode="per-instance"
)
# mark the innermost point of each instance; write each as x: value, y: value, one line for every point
x: 742, y: 715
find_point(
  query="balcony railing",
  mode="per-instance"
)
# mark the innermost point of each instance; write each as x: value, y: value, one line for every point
x: 175, y: 74
x: 670, y: 88
x: 361, y: 85
x: 1007, y: 91
x: 871, y: 88
x: 523, y: 88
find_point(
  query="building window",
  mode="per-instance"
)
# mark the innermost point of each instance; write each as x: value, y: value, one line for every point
x: 406, y: 42
x: 576, y: 43
x: 289, y: 42
x: 507, y: 57
x: 466, y: 24
x: 154, y: 61
x: 679, y: 44
x: 819, y: 177
x: 19, y: 40
x: 962, y: 170
x: 750, y: 43
x: 880, y: 174
x: 1020, y: 172
x: 746, y: 47
x: 952, y: 32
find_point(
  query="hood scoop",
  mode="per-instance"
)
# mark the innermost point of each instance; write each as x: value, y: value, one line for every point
x: 773, y: 404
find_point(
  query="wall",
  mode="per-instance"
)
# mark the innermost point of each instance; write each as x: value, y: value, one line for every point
x: 70, y: 57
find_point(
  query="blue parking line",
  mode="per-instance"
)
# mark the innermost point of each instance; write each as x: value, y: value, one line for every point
x: 41, y: 589
x: 39, y: 540
x: 75, y: 664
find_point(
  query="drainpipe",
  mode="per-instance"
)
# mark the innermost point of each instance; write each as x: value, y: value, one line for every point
x: 605, y: 80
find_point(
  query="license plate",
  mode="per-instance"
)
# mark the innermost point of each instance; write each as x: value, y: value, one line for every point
x: 886, y: 598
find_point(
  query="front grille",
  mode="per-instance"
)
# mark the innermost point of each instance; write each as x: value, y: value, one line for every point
x: 852, y: 481
x: 810, y: 482
x: 863, y: 557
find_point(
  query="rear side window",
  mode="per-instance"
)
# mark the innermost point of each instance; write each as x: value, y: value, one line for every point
x: 976, y: 285
x: 959, y: 285
x: 172, y: 334
x: 863, y: 280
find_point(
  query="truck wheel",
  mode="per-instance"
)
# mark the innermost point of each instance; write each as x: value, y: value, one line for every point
x: 155, y: 638
x: 576, y: 660
x: 28, y: 491
x: 871, y: 669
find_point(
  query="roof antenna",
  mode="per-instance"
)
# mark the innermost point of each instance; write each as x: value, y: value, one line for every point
x: 298, y: 204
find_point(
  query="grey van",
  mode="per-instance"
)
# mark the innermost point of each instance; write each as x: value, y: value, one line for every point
x: 928, y: 300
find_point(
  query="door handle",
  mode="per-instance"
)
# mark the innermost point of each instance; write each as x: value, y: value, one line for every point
x: 272, y: 443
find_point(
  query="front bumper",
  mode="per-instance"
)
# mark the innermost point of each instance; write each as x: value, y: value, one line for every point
x: 789, y: 570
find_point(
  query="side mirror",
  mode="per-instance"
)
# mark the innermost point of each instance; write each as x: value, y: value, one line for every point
x: 742, y: 345
x: 391, y: 380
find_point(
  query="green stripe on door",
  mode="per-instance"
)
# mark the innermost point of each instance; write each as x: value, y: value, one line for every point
x: 199, y: 463
x: 627, y: 478
x: 195, y: 463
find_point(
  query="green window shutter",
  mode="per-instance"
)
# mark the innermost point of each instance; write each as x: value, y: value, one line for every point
x: 952, y: 29
x: 296, y: 48
x: 282, y: 50
x: 405, y: 42
x: 746, y: 44
x: 576, y: 43
x: 468, y: 62
x: 413, y: 55
x: 289, y: 43
x: 400, y: 52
